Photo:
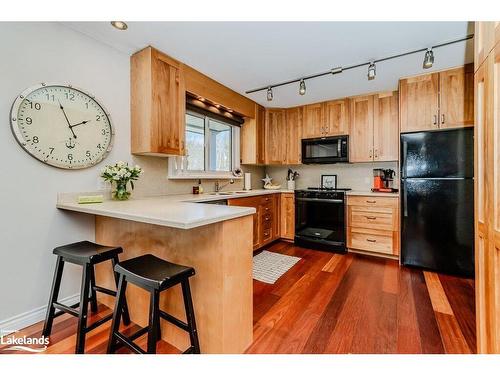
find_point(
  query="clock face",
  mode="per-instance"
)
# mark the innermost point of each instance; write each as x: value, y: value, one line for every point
x: 61, y: 126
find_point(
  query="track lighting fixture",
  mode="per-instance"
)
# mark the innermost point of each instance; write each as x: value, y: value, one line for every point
x: 427, y: 63
x: 302, y: 87
x: 428, y: 59
x: 269, y: 94
x: 371, y: 71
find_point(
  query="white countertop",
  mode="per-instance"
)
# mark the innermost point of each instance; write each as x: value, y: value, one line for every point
x: 176, y: 211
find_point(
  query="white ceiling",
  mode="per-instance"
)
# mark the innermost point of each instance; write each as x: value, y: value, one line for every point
x: 247, y: 55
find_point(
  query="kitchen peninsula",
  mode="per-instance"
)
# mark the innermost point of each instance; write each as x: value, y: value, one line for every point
x: 215, y: 240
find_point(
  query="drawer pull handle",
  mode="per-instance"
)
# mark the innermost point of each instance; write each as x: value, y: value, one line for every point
x: 371, y: 201
x: 369, y: 240
x: 371, y: 217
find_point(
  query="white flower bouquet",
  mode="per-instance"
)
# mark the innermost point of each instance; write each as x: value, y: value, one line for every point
x: 120, y: 174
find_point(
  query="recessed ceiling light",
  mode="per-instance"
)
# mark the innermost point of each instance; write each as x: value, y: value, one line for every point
x: 120, y: 25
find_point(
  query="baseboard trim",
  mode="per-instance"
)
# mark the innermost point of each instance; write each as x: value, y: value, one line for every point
x: 29, y: 318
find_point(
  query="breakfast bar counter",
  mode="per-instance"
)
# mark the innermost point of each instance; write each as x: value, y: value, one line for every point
x: 215, y: 240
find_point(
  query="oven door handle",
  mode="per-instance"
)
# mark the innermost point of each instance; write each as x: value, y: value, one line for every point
x: 320, y: 200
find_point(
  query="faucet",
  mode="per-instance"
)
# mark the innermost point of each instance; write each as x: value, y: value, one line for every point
x: 219, y: 187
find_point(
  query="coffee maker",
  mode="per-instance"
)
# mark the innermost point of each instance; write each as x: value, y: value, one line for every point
x: 383, y: 179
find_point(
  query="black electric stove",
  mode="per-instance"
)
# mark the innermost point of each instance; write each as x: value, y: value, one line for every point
x: 320, y: 219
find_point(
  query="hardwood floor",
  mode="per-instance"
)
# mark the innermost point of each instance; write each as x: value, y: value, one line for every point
x: 331, y: 303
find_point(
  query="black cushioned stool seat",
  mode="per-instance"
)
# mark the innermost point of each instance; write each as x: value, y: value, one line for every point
x: 87, y: 254
x: 154, y: 275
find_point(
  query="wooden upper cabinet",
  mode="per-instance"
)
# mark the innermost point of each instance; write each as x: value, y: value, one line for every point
x: 275, y: 134
x: 293, y: 128
x: 252, y: 139
x: 336, y: 117
x: 158, y: 104
x: 361, y: 129
x: 456, y: 97
x: 419, y: 103
x: 313, y: 125
x: 486, y: 35
x: 386, y: 126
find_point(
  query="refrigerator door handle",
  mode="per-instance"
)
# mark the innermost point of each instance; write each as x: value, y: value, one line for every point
x: 403, y: 167
x: 405, y: 200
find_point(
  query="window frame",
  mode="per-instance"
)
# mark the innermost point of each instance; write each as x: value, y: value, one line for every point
x: 176, y: 163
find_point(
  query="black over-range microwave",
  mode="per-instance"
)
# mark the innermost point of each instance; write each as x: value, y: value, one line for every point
x: 326, y: 150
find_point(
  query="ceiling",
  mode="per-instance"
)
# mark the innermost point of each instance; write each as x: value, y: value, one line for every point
x: 248, y: 55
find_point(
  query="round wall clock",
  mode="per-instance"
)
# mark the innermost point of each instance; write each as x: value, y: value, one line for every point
x: 61, y: 126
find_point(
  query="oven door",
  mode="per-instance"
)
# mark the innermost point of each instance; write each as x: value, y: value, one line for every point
x: 320, y: 223
x: 325, y: 150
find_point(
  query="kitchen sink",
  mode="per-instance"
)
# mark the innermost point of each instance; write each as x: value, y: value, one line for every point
x: 223, y: 193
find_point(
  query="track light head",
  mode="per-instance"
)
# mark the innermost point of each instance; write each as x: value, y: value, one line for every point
x: 371, y: 71
x: 302, y: 87
x: 269, y: 94
x: 428, y: 59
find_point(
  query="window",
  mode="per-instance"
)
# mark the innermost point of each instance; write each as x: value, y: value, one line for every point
x: 212, y: 149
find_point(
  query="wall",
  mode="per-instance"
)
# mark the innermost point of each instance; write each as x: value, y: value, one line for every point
x: 31, y: 226
x: 357, y: 176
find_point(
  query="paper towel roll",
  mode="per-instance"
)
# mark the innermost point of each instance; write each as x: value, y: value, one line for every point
x: 248, y: 181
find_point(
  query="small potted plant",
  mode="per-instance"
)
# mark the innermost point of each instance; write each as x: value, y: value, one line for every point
x: 120, y: 174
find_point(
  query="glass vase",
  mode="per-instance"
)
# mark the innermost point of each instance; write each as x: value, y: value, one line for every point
x: 121, y: 193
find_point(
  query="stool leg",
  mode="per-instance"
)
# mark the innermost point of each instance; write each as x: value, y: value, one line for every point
x: 84, y: 304
x: 154, y: 321
x: 56, y: 284
x: 126, y: 315
x: 188, y: 305
x: 117, y: 312
x: 93, y: 294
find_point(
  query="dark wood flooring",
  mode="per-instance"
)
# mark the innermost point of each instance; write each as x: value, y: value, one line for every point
x: 331, y: 303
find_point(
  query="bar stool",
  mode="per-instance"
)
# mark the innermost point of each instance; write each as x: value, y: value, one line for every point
x: 87, y: 254
x: 154, y: 275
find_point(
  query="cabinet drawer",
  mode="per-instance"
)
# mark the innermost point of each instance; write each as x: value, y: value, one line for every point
x: 368, y: 201
x: 266, y: 235
x: 266, y: 220
x: 371, y: 241
x: 372, y: 220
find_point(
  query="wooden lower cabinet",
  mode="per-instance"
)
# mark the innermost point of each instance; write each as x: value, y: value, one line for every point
x: 287, y: 216
x: 373, y: 224
x: 266, y: 221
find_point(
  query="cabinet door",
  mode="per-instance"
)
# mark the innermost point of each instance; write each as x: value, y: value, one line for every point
x: 456, y: 97
x: 361, y: 129
x: 419, y: 103
x: 313, y: 125
x: 293, y: 135
x: 255, y: 203
x: 337, y: 116
x: 484, y: 41
x: 287, y: 216
x: 169, y: 106
x: 275, y: 136
x: 386, y: 126
x: 252, y: 138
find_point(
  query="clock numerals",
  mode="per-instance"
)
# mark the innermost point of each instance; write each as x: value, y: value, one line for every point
x: 70, y: 96
x: 70, y: 157
x: 36, y: 106
x: 99, y: 146
x: 50, y: 97
x: 98, y: 117
x: 28, y: 121
x: 88, y: 154
x: 51, y: 150
x: 104, y: 132
x: 35, y: 139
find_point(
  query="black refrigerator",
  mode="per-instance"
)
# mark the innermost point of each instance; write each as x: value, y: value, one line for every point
x: 437, y: 201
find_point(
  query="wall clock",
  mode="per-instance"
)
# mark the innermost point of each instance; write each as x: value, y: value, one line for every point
x: 62, y: 126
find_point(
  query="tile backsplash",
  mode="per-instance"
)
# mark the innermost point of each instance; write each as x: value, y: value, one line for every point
x: 357, y: 176
x: 155, y: 182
